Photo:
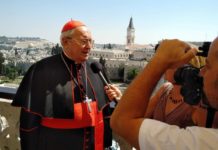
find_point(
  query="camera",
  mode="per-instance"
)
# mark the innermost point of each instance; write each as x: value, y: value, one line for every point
x: 191, y: 83
x: 204, y: 49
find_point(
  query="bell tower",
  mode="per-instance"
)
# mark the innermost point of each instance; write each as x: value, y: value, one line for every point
x: 130, y: 33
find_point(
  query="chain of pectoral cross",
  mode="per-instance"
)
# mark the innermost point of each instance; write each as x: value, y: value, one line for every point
x: 86, y: 99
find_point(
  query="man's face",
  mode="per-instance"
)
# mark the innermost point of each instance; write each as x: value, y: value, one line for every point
x: 210, y: 75
x: 79, y: 46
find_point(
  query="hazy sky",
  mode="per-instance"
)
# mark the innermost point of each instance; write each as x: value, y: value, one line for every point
x: 190, y: 20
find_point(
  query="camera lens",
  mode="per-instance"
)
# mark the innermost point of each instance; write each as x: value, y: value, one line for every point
x: 188, y: 77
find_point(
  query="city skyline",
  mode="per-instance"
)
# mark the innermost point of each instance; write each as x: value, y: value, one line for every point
x: 108, y: 20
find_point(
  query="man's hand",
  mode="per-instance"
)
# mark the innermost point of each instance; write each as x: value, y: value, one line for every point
x: 113, y: 92
x: 175, y: 53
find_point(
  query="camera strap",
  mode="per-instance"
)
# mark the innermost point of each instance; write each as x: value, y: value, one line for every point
x: 210, y: 117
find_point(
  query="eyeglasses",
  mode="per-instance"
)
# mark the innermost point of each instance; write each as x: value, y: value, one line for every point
x: 83, y: 42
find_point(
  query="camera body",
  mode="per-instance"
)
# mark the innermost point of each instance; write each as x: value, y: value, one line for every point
x: 204, y: 49
x: 191, y: 83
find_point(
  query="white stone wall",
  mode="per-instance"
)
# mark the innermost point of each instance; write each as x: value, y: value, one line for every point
x: 9, y: 137
x: 109, y: 54
x: 113, y: 65
x: 141, y: 54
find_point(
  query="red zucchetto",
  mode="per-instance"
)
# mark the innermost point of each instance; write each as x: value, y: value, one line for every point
x: 71, y: 25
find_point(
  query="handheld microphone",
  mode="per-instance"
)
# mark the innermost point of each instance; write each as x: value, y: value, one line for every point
x: 96, y: 68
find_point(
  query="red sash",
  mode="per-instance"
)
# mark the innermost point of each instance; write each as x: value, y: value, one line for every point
x: 82, y: 118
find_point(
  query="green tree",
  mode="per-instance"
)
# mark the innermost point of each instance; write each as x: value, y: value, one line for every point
x: 121, y: 71
x: 132, y: 73
x: 56, y: 49
x: 102, y: 61
x: 2, y: 59
x: 11, y: 72
x: 109, y: 46
x: 27, y: 52
x: 131, y: 56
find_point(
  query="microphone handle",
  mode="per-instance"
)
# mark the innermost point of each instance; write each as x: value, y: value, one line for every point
x: 106, y: 83
x: 103, y: 79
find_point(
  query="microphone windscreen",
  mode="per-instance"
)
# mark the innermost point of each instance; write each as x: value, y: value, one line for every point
x: 96, y: 67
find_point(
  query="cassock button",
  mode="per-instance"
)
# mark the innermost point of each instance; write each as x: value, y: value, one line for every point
x: 87, y: 140
x: 87, y: 132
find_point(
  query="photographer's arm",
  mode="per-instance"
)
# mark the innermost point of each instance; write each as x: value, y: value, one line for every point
x: 129, y: 113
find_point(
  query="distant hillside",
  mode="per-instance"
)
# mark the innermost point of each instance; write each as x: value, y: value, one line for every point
x: 110, y: 46
x: 11, y: 40
x: 9, y: 43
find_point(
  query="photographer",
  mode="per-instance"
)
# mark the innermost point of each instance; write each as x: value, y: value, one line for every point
x: 168, y: 104
x: 128, y: 118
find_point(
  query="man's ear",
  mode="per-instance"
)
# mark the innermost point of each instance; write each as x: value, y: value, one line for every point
x: 64, y: 41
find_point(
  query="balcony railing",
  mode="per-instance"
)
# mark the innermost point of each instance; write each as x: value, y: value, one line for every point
x: 7, y: 92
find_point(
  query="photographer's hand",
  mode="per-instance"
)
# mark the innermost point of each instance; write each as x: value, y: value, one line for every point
x: 175, y: 53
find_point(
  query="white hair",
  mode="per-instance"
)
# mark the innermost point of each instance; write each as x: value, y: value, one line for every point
x: 66, y: 34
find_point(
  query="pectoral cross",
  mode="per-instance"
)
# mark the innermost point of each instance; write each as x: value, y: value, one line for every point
x: 88, y: 101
